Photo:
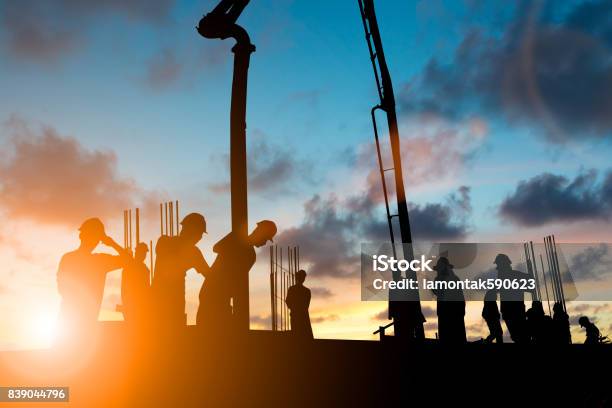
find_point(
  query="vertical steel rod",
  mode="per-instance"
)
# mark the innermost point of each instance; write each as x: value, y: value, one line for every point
x: 178, y: 229
x: 151, y: 260
x: 137, y: 226
x: 562, y: 291
x: 545, y: 285
x: 166, y: 217
x: 535, y: 271
x: 282, y: 291
x: 171, y: 211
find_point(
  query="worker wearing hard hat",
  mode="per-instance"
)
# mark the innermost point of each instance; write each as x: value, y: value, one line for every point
x: 81, y: 276
x: 225, y: 292
x: 135, y: 287
x: 512, y: 301
x: 175, y: 256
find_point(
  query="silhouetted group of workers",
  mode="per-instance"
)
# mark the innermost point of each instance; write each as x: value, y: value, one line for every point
x: 82, y: 274
x: 524, y: 326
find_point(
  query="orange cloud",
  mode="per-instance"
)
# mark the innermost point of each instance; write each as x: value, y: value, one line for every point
x: 52, y: 179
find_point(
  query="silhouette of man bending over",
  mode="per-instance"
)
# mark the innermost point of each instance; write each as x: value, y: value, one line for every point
x: 228, y: 283
x: 592, y: 332
x: 175, y: 256
x: 81, y: 276
x: 298, y: 301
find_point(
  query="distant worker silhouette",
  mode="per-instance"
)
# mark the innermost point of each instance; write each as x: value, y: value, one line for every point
x: 512, y: 304
x: 229, y: 275
x: 490, y: 313
x: 136, y: 287
x: 298, y: 302
x: 175, y: 256
x: 407, y: 315
x: 81, y: 276
x: 561, y: 326
x: 592, y: 332
x: 450, y: 305
x: 539, y: 325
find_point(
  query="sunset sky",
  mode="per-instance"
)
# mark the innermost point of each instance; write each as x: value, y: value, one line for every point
x: 505, y: 113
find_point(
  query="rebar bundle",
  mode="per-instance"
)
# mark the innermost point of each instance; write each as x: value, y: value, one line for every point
x: 281, y: 278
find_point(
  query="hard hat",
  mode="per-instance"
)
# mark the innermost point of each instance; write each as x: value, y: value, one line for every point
x: 502, y: 259
x: 269, y: 228
x: 194, y: 220
x: 442, y: 262
x: 583, y: 321
x: 142, y: 246
x: 93, y: 226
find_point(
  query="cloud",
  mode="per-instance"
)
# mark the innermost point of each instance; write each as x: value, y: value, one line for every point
x: 52, y: 179
x: 261, y: 321
x: 309, y: 98
x: 431, y: 149
x: 434, y: 149
x: 270, y: 167
x: 324, y: 318
x: 181, y: 65
x: 442, y: 221
x: 593, y: 262
x: 476, y: 330
x: 332, y: 228
x: 549, y: 198
x: 428, y: 313
x: 163, y: 69
x: 321, y: 292
x: 324, y: 238
x: 589, y: 308
x: 547, y: 69
x: 44, y: 31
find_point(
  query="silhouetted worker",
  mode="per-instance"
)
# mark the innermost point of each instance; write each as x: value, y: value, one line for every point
x: 407, y: 317
x: 229, y: 275
x: 561, y: 326
x: 592, y: 332
x: 298, y: 301
x: 450, y: 305
x: 512, y: 304
x: 175, y: 256
x: 81, y: 276
x: 215, y: 309
x: 490, y: 313
x: 136, y: 287
x: 539, y: 325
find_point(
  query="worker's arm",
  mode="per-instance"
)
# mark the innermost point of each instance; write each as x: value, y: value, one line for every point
x: 289, y: 301
x: 199, y: 263
x: 108, y: 241
x: 116, y: 262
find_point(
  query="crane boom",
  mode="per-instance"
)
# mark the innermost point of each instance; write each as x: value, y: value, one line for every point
x: 404, y: 308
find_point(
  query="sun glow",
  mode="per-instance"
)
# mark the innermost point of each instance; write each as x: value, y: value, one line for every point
x: 43, y: 328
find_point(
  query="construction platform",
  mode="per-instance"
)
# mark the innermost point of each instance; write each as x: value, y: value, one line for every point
x: 119, y: 368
